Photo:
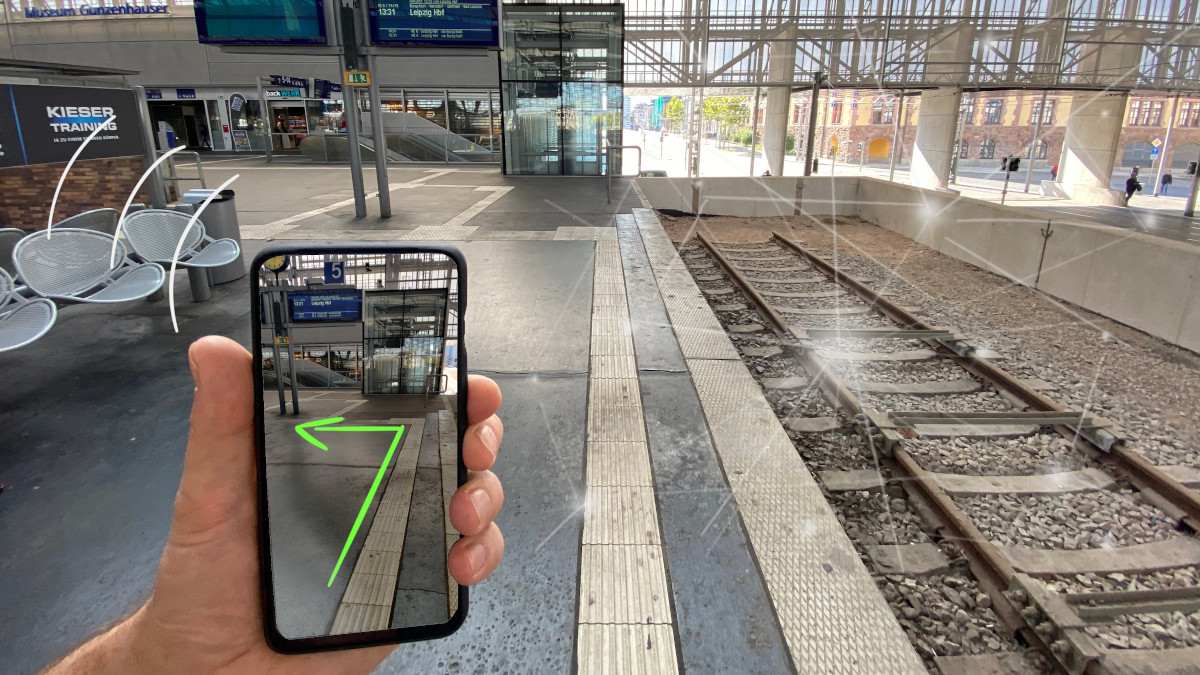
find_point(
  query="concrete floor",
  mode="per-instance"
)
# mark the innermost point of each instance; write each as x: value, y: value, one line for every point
x: 93, y: 419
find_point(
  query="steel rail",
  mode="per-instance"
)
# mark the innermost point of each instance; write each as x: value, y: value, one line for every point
x: 999, y: 572
x: 1177, y: 494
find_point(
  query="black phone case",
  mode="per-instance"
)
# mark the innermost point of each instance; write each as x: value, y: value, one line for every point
x: 392, y: 635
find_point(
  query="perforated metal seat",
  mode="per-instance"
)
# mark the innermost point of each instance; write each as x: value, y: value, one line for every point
x: 99, y: 220
x: 154, y: 234
x: 22, y: 321
x: 73, y: 265
x: 9, y: 237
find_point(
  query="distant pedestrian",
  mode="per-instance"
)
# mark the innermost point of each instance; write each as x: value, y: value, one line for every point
x: 1054, y: 173
x: 1166, y: 183
x: 204, y: 141
x: 1131, y: 186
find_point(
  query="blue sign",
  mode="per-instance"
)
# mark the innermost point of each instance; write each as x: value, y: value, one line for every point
x: 185, y: 93
x: 1154, y: 152
x: 324, y: 88
x: 468, y: 23
x: 326, y: 305
x: 261, y: 22
x: 153, y: 93
x: 335, y: 272
x: 285, y: 81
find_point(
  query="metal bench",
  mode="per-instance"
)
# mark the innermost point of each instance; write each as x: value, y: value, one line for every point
x: 157, y: 235
x: 100, y: 220
x: 21, y: 320
x: 73, y: 265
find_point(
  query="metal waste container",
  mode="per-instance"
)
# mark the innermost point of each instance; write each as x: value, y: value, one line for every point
x: 220, y: 222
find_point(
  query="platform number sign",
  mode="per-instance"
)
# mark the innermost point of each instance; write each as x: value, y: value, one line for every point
x: 335, y: 272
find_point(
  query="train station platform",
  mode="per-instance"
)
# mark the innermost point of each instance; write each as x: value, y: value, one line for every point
x: 657, y: 517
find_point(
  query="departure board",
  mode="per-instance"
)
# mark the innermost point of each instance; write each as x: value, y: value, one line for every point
x: 446, y: 23
x: 260, y: 22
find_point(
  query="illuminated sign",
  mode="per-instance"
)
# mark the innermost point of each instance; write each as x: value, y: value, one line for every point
x: 261, y: 22
x: 466, y: 23
x: 326, y: 305
x: 50, y: 122
x: 86, y: 10
x: 284, y: 93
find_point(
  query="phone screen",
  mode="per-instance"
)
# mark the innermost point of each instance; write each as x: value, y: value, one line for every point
x: 361, y: 371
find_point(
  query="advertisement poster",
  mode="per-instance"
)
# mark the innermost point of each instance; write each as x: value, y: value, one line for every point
x: 53, y: 121
x: 241, y: 140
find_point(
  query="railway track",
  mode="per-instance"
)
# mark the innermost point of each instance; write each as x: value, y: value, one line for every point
x: 937, y: 418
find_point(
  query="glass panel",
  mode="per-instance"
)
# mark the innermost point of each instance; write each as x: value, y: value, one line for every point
x: 216, y: 139
x: 404, y: 332
x: 531, y: 128
x: 533, y: 51
x: 591, y: 46
x: 471, y: 120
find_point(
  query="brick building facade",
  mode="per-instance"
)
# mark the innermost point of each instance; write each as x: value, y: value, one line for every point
x: 996, y: 124
x: 27, y: 191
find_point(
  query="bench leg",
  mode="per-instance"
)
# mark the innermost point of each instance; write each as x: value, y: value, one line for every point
x: 201, y: 288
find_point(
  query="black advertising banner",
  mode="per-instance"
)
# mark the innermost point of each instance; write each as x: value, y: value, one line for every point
x: 10, y: 141
x: 53, y: 121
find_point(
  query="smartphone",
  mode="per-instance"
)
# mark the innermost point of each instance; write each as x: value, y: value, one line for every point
x: 360, y: 361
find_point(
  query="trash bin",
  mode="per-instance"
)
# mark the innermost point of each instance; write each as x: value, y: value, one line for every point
x: 220, y: 222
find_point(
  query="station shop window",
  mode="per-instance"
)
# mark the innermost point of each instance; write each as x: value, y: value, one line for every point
x: 993, y: 111
x: 987, y: 149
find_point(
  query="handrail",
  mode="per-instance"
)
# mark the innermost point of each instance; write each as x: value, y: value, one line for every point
x: 199, y: 168
x: 609, y: 168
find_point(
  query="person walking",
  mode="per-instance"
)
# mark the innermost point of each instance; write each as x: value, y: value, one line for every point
x: 1167, y: 179
x: 1054, y: 173
x: 1132, y: 185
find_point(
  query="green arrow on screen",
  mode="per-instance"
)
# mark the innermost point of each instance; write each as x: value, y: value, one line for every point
x: 305, y: 430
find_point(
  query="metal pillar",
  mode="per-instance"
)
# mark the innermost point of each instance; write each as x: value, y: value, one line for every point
x: 155, y: 184
x: 754, y: 130
x: 1166, y: 146
x: 1189, y: 211
x: 264, y: 116
x: 818, y: 77
x: 380, y: 140
x: 897, y: 141
x: 1037, y: 130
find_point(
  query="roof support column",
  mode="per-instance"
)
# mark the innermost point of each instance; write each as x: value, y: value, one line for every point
x: 781, y: 69
x: 934, y: 145
x: 1091, y: 145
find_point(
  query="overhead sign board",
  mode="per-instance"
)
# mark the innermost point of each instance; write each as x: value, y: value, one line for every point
x: 286, y: 81
x: 462, y: 23
x: 185, y: 93
x: 356, y: 78
x: 325, y: 88
x: 284, y: 93
x: 343, y: 305
x: 261, y: 22
x: 45, y: 124
x: 127, y: 10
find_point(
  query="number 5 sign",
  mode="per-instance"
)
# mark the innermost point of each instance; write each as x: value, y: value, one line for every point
x: 335, y: 272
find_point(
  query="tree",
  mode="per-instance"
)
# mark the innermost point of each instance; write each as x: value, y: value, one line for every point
x: 726, y: 111
x: 674, y: 113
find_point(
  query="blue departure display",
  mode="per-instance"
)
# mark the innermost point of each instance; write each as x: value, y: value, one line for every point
x: 261, y: 22
x: 326, y: 305
x: 446, y: 23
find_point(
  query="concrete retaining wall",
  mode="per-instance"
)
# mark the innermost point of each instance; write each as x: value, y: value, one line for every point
x: 1147, y: 282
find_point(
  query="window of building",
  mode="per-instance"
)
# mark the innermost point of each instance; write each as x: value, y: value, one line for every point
x: 1047, y: 115
x: 993, y: 110
x: 1189, y: 114
x: 968, y: 110
x: 987, y: 149
x: 889, y: 112
x: 835, y: 114
x: 877, y: 112
x: 1145, y: 113
x: 1039, y: 152
x: 964, y: 150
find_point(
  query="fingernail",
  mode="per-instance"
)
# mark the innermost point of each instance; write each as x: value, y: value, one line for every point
x: 488, y: 436
x: 482, y: 502
x: 477, y: 556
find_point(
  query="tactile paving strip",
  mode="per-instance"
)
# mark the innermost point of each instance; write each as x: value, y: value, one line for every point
x: 625, y: 620
x: 367, y: 601
x: 833, y: 616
